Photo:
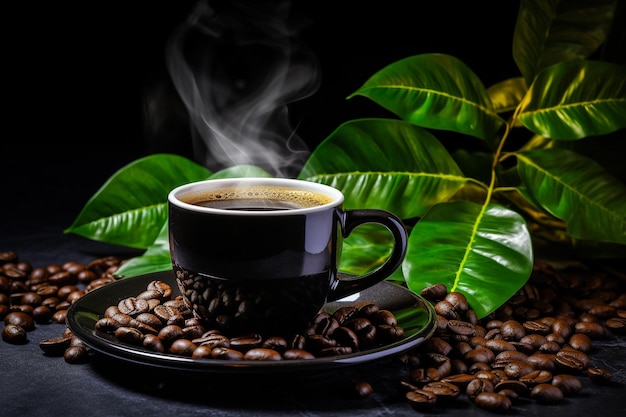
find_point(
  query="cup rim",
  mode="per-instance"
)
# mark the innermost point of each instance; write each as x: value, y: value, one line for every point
x: 336, y: 195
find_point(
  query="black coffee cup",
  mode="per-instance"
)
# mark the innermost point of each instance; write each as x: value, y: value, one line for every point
x: 261, y: 254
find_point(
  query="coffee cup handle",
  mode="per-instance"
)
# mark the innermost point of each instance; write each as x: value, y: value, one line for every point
x: 349, y: 220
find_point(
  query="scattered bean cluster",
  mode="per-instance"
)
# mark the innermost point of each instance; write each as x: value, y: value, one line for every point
x: 39, y: 295
x: 162, y: 323
x: 537, y: 345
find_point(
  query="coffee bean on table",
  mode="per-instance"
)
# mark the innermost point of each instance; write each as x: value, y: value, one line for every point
x: 599, y: 375
x: 21, y: 319
x: 421, y: 399
x: 546, y: 393
x: 568, y: 384
x: 55, y: 346
x: 362, y: 389
x: 76, y: 355
x: 493, y: 401
x: 14, y: 334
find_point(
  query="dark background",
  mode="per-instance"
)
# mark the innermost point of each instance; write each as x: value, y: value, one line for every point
x: 77, y: 78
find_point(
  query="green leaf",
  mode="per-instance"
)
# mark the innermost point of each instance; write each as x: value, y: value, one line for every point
x: 552, y: 31
x: 241, y: 171
x: 131, y: 207
x: 366, y: 248
x: 386, y: 164
x: 435, y: 91
x: 573, y: 100
x: 507, y: 95
x: 483, y: 252
x: 577, y: 190
x: 155, y: 259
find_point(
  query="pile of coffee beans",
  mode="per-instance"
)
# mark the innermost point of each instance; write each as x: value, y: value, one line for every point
x: 536, y: 346
x: 162, y: 323
x: 40, y: 295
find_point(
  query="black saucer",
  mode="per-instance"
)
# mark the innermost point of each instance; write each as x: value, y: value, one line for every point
x: 415, y: 315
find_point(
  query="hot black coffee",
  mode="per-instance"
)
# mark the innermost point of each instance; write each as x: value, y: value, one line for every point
x: 257, y: 198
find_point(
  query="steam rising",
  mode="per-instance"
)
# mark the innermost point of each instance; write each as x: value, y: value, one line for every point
x: 236, y: 66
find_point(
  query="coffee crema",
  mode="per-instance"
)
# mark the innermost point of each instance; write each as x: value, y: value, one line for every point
x: 256, y: 198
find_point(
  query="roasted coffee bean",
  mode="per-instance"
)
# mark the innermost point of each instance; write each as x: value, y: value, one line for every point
x: 599, y: 375
x: 421, y: 399
x: 616, y: 325
x: 492, y: 401
x: 327, y: 325
x: 385, y: 318
x: 212, y: 340
x: 536, y: 326
x: 461, y: 327
x: 387, y: 332
x: 150, y: 319
x: 537, y: 377
x: 491, y: 376
x: 129, y: 335
x: 568, y: 364
x: 498, y: 346
x: 422, y: 376
x: 62, y: 279
x: 567, y: 383
x: 133, y: 306
x: 161, y: 287
x: 21, y: 319
x: 434, y: 292
x: 517, y: 386
x: 534, y: 340
x: 438, y: 345
x: 14, y: 334
x: 245, y: 343
x: 169, y: 315
x: 154, y: 343
x: 346, y: 337
x: 517, y: 369
x: 460, y: 380
x: 580, y: 356
x: 108, y: 324
x: 458, y: 301
x: 274, y: 342
x: 170, y: 333
x: 193, y: 331
x: 201, y: 352
x: 56, y: 346
x: 76, y: 355
x: 337, y: 350
x: 296, y: 354
x: 42, y: 314
x: 593, y: 330
x: 512, y: 330
x: 510, y: 355
x: 343, y: 314
x: 581, y: 342
x: 546, y: 394
x: 480, y: 354
x: 226, y: 353
x: 446, y: 310
x: 262, y: 354
x: 183, y: 347
x: 477, y: 386
x: 444, y: 391
x: 362, y: 389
